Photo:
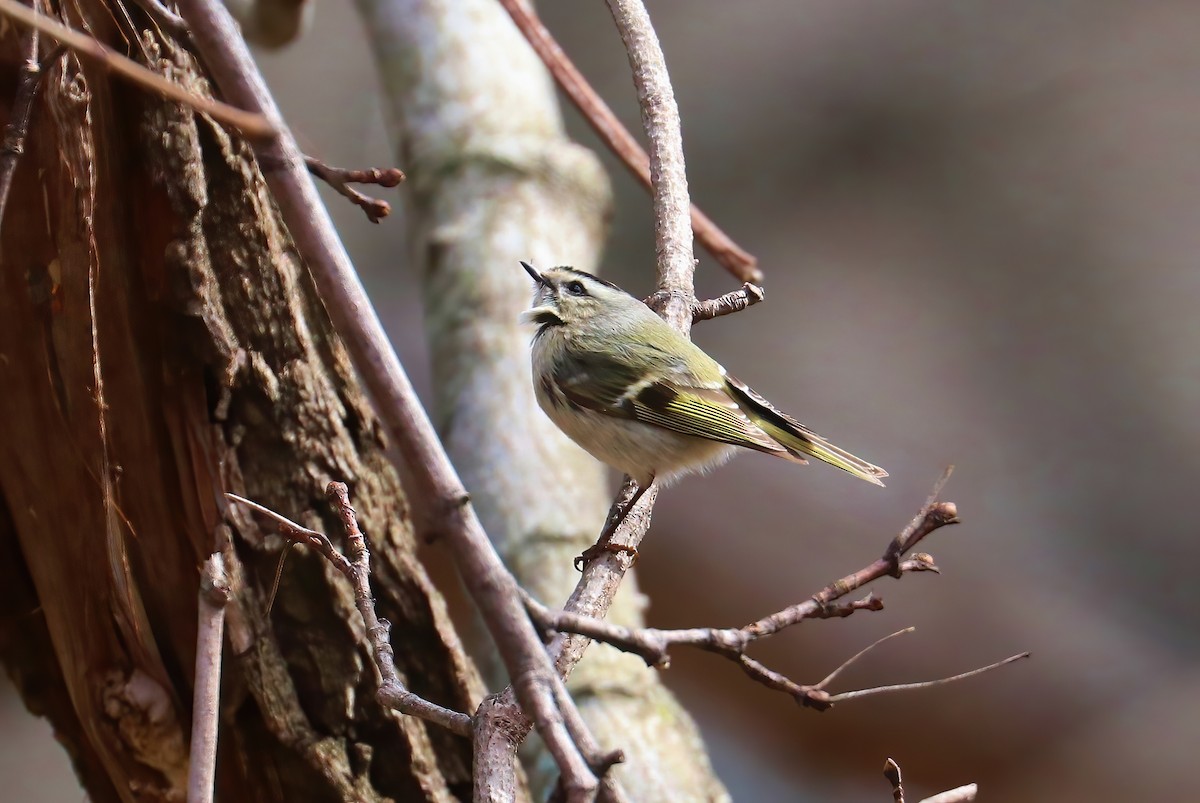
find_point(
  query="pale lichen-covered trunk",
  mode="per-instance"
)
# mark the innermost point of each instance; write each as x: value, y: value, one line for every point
x: 160, y: 343
x: 493, y: 180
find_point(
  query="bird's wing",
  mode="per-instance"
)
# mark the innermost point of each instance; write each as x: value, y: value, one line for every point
x: 797, y: 438
x: 667, y: 396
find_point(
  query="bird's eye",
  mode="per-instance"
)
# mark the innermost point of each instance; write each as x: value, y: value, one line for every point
x: 575, y: 288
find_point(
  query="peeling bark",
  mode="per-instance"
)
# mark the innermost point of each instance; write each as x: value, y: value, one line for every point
x: 160, y: 343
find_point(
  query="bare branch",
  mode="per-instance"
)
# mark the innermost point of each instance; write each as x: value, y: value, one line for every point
x: 392, y: 692
x: 253, y: 125
x: 653, y: 645
x: 668, y: 175
x: 340, y: 179
x: 206, y: 696
x: 600, y: 117
x: 441, y: 503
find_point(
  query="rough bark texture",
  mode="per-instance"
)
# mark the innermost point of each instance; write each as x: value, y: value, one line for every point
x: 493, y: 179
x: 159, y: 344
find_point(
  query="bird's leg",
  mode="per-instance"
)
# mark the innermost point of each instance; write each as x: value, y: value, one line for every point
x: 615, y: 520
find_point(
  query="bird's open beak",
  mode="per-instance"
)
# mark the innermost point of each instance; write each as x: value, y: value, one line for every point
x: 532, y: 271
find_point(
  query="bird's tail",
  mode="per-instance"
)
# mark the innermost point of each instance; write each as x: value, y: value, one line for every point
x: 798, y: 439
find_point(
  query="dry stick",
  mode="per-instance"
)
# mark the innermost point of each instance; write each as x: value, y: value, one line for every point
x: 357, y: 569
x: 255, y: 126
x: 600, y: 117
x: 924, y: 684
x: 444, y: 505
x: 206, y: 697
x: 832, y: 676
x: 28, y: 80
x: 340, y: 179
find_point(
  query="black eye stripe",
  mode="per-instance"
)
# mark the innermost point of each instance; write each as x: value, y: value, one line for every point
x: 575, y: 288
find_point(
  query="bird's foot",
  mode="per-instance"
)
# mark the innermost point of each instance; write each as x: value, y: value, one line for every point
x: 604, y: 547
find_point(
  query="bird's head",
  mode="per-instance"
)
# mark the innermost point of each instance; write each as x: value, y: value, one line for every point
x: 565, y: 296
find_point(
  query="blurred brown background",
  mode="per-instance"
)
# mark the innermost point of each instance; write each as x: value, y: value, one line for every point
x: 979, y: 226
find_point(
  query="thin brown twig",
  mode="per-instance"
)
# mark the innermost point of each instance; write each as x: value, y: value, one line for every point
x: 254, y: 126
x: 924, y: 684
x: 206, y: 696
x: 28, y: 81
x: 440, y: 501
x: 832, y: 676
x: 357, y: 569
x: 340, y: 179
x: 600, y: 117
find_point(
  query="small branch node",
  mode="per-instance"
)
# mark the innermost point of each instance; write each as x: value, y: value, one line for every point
x: 736, y: 301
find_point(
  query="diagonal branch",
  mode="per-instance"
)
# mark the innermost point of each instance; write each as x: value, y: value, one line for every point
x: 600, y: 117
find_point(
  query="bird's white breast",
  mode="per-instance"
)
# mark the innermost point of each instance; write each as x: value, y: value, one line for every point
x: 642, y: 451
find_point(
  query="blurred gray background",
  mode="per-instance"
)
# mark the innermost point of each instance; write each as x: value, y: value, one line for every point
x: 979, y: 224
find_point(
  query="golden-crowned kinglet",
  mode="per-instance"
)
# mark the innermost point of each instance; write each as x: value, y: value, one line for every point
x: 644, y: 399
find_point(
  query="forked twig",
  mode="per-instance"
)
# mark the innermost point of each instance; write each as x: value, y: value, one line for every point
x: 340, y: 179
x: 357, y: 569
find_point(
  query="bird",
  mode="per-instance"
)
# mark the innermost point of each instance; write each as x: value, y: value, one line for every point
x: 647, y: 401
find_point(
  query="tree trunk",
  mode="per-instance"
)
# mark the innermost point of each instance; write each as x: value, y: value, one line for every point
x: 160, y: 343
